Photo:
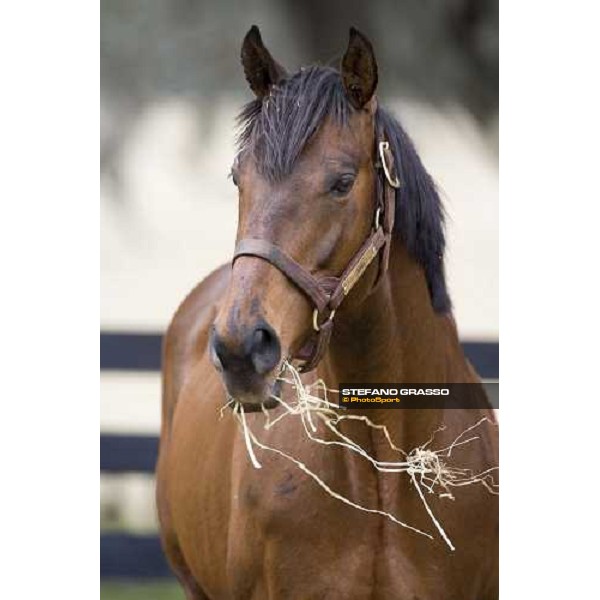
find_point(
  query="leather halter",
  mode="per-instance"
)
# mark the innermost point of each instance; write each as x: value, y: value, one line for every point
x: 327, y: 293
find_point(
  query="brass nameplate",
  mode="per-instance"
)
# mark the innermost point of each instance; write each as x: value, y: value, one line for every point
x: 360, y: 267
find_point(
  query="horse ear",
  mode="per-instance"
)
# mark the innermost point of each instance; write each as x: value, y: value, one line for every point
x: 359, y: 69
x: 260, y: 68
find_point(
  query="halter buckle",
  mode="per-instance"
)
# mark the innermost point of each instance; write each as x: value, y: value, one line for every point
x: 377, y: 217
x: 316, y: 325
x: 383, y: 148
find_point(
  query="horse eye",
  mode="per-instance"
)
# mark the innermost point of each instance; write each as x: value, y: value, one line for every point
x: 233, y: 176
x: 343, y: 185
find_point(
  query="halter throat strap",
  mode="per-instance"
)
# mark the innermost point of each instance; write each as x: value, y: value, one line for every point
x: 327, y: 293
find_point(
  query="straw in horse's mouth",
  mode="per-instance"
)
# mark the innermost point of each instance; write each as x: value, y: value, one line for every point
x: 428, y: 469
x: 270, y: 401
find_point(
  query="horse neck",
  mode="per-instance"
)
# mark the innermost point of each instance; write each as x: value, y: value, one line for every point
x: 394, y: 335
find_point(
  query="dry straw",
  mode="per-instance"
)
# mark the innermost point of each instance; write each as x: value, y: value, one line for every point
x: 429, y: 470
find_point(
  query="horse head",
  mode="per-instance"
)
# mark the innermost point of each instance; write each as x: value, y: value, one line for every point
x: 307, y: 186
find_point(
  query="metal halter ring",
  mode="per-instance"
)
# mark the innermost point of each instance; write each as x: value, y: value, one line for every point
x: 395, y: 183
x: 316, y: 317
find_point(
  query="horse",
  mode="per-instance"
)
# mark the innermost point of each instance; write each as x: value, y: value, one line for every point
x: 338, y: 270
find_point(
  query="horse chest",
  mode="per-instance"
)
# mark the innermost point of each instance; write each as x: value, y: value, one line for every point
x: 274, y: 533
x: 292, y: 540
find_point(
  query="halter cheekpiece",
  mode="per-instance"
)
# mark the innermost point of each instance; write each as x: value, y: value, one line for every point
x: 327, y: 293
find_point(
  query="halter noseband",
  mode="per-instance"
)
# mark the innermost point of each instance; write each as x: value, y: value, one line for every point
x: 327, y: 293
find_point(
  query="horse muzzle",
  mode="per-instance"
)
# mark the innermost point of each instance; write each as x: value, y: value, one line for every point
x: 249, y: 365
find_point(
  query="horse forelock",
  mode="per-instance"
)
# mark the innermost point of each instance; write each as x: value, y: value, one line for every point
x: 276, y: 129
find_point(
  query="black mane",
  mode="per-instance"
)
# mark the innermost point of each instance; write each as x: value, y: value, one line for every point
x: 277, y: 128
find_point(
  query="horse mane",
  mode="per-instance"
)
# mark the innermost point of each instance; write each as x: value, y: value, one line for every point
x: 277, y: 128
x: 419, y: 211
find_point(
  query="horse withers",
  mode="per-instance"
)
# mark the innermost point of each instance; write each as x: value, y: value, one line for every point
x: 338, y: 270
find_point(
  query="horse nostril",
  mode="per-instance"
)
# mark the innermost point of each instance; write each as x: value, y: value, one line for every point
x: 265, y: 349
x: 215, y: 351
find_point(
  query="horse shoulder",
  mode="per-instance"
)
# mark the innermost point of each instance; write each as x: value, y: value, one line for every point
x: 186, y: 337
x: 183, y: 346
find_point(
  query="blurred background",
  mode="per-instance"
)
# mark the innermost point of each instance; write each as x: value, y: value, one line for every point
x: 171, y: 87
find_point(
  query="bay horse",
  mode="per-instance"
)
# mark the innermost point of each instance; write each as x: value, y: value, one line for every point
x: 338, y: 268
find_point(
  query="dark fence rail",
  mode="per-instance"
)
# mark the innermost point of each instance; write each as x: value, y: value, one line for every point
x: 127, y: 556
x: 131, y: 556
x: 128, y: 453
x: 142, y: 352
x: 130, y: 351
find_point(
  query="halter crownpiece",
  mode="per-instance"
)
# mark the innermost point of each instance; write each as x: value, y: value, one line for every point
x: 327, y: 293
